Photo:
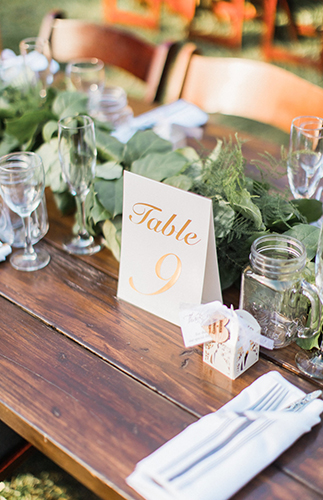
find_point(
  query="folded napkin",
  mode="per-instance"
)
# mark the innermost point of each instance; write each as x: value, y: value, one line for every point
x: 12, y: 66
x: 181, y: 113
x: 243, y: 447
x: 5, y: 250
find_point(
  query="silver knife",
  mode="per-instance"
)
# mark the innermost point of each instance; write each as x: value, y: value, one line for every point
x: 303, y: 401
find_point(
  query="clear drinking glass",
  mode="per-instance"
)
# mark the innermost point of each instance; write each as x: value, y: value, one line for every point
x: 37, y: 58
x: 88, y: 76
x: 22, y: 184
x: 77, y: 154
x: 305, y: 158
x: 311, y: 362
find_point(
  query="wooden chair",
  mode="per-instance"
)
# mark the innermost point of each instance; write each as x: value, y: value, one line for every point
x: 150, y: 18
x: 251, y: 89
x: 75, y: 39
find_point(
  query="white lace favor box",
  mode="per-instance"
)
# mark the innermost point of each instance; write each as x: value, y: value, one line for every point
x: 230, y: 338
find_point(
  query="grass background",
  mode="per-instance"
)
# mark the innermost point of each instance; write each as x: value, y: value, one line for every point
x: 38, y: 477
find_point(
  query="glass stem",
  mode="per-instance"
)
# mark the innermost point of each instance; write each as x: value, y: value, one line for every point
x: 29, y: 250
x: 80, y: 207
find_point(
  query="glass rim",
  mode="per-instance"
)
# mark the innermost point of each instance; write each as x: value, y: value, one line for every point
x: 86, y: 118
x: 33, y: 40
x: 94, y: 63
x: 307, y: 119
x: 293, y: 261
x: 4, y: 160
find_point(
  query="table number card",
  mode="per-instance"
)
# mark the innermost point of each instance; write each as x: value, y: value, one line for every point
x: 168, y: 254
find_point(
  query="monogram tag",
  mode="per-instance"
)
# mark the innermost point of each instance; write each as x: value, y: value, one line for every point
x: 217, y: 330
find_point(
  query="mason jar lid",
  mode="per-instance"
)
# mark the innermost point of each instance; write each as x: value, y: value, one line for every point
x: 276, y: 255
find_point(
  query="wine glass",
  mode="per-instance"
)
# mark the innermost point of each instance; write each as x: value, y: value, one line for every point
x: 88, y: 76
x: 305, y: 157
x: 37, y: 58
x: 77, y: 154
x: 22, y: 184
x: 311, y: 362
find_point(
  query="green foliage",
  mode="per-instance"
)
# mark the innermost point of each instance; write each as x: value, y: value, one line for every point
x: 243, y: 208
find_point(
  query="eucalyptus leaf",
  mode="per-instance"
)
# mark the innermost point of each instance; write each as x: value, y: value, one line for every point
x: 308, y: 235
x: 49, y: 129
x: 190, y: 154
x: 109, y: 148
x: 109, y: 194
x: 224, y: 217
x: 69, y: 104
x: 143, y: 143
x: 244, y: 204
x: 8, y: 143
x: 109, y: 170
x: 159, y: 166
x: 111, y: 231
x: 180, y: 181
x: 98, y: 213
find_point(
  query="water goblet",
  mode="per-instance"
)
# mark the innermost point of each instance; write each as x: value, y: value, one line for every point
x: 88, y: 76
x: 22, y: 184
x: 77, y: 154
x: 37, y: 58
x: 305, y: 157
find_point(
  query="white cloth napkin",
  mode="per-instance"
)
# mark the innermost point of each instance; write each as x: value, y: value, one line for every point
x: 223, y: 473
x: 12, y: 66
x: 5, y: 250
x: 181, y: 113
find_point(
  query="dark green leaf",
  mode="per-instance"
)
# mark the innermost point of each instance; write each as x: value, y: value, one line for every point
x: 24, y: 127
x: 311, y: 209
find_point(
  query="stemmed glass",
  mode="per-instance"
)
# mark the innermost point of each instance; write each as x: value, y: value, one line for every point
x: 305, y: 158
x: 22, y: 184
x: 77, y: 154
x: 88, y: 76
x: 37, y: 58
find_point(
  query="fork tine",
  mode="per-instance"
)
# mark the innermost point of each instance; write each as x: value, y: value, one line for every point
x: 275, y: 402
x: 264, y: 398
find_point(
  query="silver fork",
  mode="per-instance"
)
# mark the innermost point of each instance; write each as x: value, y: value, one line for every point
x: 271, y: 400
x: 259, y: 426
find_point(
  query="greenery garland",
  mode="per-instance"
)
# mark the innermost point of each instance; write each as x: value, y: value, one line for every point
x: 243, y: 208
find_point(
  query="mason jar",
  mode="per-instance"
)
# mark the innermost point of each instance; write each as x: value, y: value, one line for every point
x: 274, y: 291
x: 112, y: 106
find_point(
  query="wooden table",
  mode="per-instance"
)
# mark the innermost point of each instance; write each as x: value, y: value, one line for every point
x: 97, y: 384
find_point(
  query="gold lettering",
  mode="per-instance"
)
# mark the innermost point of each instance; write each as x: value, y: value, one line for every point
x: 144, y: 213
x: 172, y: 230
x: 180, y: 232
x: 156, y: 226
x: 191, y: 236
x: 170, y: 281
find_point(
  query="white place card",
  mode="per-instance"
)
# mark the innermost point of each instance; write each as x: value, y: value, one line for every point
x: 168, y: 253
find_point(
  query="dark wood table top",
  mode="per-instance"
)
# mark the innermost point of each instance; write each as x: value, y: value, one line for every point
x: 97, y: 384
